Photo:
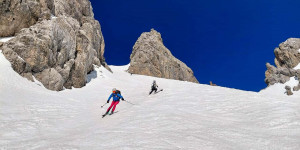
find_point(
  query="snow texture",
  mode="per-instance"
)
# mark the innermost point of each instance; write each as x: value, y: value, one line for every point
x: 184, y: 116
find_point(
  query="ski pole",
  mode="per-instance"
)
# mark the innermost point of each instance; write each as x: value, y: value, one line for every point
x: 129, y: 102
x: 103, y: 105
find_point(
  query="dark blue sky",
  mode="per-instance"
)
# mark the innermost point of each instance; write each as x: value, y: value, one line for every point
x: 227, y: 42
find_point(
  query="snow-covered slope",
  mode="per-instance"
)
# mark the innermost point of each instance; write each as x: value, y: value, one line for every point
x: 184, y: 116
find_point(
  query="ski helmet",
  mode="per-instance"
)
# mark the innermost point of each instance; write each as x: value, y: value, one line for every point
x: 114, y: 89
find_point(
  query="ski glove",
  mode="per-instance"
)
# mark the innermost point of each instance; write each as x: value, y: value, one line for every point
x: 107, y: 101
x: 123, y: 99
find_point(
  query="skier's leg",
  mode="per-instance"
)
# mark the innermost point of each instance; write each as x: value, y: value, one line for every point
x: 112, y: 104
x: 151, y: 91
x: 115, y: 104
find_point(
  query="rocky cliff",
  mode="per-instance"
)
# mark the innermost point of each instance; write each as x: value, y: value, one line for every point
x: 287, y: 58
x: 56, y: 41
x: 150, y: 57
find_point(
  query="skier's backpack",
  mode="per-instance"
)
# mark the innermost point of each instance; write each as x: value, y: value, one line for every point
x: 118, y: 92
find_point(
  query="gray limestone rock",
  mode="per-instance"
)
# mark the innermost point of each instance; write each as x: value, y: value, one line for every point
x: 17, y: 14
x: 287, y: 57
x: 287, y: 54
x: 150, y: 57
x: 51, y: 79
x: 61, y: 51
x: 296, y: 88
x: 288, y: 90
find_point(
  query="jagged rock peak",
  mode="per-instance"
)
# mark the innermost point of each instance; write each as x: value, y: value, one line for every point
x: 150, y: 57
x: 58, y: 51
x: 287, y: 59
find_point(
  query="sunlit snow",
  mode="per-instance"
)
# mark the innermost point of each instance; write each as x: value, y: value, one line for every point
x: 184, y: 116
x: 5, y: 39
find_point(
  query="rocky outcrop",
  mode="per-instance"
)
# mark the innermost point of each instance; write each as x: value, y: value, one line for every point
x: 287, y: 54
x: 19, y: 14
x: 150, y: 57
x: 287, y: 58
x: 278, y: 75
x: 59, y: 52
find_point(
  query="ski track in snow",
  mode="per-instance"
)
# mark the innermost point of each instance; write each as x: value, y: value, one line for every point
x: 183, y: 116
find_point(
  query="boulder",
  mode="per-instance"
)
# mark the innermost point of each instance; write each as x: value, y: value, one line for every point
x: 288, y: 90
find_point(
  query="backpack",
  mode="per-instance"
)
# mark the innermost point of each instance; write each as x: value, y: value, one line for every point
x: 118, y: 92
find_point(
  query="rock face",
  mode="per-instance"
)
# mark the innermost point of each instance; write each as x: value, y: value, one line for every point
x: 287, y: 58
x: 19, y: 14
x: 59, y: 52
x: 150, y: 57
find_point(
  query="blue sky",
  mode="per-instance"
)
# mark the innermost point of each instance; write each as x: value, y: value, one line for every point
x: 227, y: 42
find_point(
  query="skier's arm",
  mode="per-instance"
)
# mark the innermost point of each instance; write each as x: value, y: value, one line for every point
x: 119, y: 95
x: 109, y: 98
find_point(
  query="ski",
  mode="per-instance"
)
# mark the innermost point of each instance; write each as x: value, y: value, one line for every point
x: 104, y: 115
x: 159, y: 91
x: 109, y: 114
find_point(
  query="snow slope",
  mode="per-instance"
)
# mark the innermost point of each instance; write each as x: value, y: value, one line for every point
x: 184, y: 116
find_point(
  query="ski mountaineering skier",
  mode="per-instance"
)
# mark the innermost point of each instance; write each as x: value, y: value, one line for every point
x: 154, y: 88
x: 116, y: 95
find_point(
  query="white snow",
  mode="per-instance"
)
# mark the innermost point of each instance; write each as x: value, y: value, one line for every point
x: 5, y: 39
x: 21, y: 58
x: 279, y: 89
x: 53, y: 17
x: 297, y: 67
x: 184, y: 116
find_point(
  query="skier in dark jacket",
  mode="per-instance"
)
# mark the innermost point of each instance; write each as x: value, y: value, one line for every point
x: 154, y: 87
x: 116, y: 95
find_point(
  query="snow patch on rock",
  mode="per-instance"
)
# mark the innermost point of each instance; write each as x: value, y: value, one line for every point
x: 279, y: 89
x: 6, y: 39
x: 53, y: 17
